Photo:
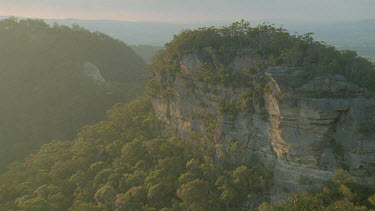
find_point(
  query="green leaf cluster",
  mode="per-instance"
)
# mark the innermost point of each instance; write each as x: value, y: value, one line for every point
x: 341, y: 193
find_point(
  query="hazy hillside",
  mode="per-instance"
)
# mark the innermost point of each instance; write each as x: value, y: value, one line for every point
x: 146, y: 51
x: 355, y: 35
x: 133, y: 161
x: 135, y: 33
x: 54, y: 80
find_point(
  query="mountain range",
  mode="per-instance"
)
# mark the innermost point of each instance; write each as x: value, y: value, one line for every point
x: 352, y: 35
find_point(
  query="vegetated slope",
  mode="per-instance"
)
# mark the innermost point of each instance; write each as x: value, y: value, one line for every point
x: 296, y: 103
x: 269, y: 46
x: 123, y: 163
x: 131, y: 161
x: 46, y: 91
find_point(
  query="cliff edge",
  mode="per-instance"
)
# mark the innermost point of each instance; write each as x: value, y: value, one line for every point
x: 304, y: 128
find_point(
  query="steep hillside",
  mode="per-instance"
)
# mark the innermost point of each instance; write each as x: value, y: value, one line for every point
x: 300, y: 106
x: 54, y: 80
x: 235, y: 118
x: 124, y: 163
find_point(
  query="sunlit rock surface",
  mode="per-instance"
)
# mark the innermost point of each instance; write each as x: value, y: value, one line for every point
x: 304, y: 131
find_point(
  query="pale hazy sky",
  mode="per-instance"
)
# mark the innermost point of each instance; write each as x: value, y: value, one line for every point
x: 192, y: 10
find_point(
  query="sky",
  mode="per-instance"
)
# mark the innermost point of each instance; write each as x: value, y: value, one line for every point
x: 192, y: 11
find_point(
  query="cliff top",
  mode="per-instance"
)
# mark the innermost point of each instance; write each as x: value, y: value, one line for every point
x: 269, y: 46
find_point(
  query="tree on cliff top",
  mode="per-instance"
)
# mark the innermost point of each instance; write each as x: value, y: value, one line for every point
x: 273, y: 45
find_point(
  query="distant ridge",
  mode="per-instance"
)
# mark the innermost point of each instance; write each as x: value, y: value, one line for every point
x: 352, y: 35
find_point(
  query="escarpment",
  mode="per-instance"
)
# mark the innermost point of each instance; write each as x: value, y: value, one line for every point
x: 304, y: 129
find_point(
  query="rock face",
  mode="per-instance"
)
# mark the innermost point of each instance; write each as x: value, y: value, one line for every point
x: 304, y: 131
x: 93, y: 72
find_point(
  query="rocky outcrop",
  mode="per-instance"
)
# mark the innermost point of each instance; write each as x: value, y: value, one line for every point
x: 93, y: 72
x: 305, y: 131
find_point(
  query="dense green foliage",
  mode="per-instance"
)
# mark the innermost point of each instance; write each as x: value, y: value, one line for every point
x: 269, y: 46
x: 123, y: 163
x: 129, y: 162
x: 43, y: 89
x: 342, y: 193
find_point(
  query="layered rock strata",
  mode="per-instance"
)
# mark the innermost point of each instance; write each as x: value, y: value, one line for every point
x: 304, y: 131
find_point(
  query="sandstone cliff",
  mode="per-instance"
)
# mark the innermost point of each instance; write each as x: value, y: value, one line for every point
x: 303, y: 130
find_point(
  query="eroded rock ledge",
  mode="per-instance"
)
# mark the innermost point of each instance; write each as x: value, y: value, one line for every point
x: 305, y: 132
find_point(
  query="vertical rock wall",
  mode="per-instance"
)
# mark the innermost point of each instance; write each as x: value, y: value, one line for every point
x: 304, y: 132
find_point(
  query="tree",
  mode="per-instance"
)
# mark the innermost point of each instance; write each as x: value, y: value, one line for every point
x: 106, y: 197
x: 33, y: 204
x: 194, y: 195
x: 132, y: 200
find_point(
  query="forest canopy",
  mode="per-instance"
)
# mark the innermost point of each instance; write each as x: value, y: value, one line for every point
x: 126, y: 163
x: 275, y: 46
x: 130, y: 161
